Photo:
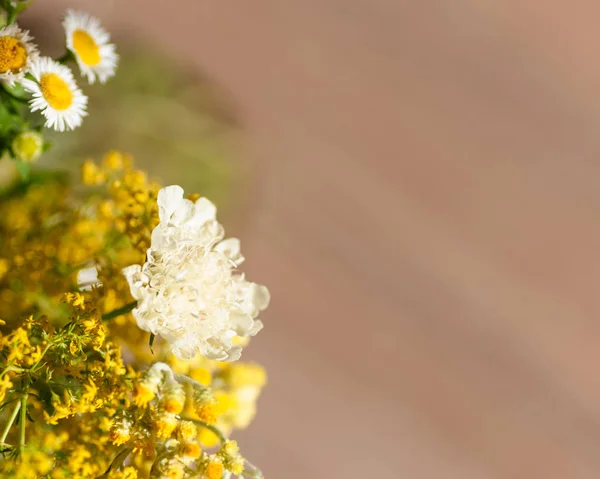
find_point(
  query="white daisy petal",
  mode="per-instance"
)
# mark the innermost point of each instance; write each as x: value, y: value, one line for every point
x: 55, y: 94
x: 187, y: 291
x: 89, y: 43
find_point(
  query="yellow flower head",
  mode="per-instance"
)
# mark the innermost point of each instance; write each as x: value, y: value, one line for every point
x: 214, y: 468
x: 165, y: 424
x: 121, y: 432
x: 143, y: 393
x: 187, y: 431
x: 173, y: 398
x: 209, y: 406
x: 190, y: 450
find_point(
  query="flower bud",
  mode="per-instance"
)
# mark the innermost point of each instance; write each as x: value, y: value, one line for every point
x: 28, y: 146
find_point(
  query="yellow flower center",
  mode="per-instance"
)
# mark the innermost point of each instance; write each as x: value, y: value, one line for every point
x: 86, y: 48
x: 214, y: 470
x: 13, y: 55
x: 56, y: 91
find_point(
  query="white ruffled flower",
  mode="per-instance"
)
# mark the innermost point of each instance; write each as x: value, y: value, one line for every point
x: 187, y: 291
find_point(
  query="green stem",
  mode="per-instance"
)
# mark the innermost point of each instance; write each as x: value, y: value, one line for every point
x: 10, y: 422
x: 185, y: 379
x: 117, y: 462
x: 65, y: 58
x: 211, y: 428
x: 9, y: 369
x: 48, y: 346
x: 23, y: 422
x: 11, y: 16
x: 119, y: 311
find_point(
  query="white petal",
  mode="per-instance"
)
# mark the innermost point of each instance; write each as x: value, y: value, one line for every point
x: 231, y: 247
x: 241, y: 323
x: 205, y: 211
x: 169, y: 201
x: 87, y: 278
x: 260, y: 296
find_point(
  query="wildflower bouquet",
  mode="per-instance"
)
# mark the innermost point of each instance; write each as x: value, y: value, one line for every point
x: 123, y: 313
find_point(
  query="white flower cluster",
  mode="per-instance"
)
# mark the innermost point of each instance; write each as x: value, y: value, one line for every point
x: 188, y: 292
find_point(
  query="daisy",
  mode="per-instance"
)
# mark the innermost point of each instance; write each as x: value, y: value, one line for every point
x: 56, y: 94
x: 16, y: 53
x: 89, y: 43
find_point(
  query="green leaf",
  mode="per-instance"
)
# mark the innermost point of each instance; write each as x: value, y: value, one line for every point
x: 24, y: 169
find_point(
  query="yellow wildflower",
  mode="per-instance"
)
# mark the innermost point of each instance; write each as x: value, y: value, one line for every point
x: 214, y: 468
x: 165, y: 424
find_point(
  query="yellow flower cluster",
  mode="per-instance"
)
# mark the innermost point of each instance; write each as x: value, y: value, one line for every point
x: 79, y: 395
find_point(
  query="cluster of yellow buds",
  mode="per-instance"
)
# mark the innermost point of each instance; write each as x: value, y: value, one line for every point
x: 156, y: 424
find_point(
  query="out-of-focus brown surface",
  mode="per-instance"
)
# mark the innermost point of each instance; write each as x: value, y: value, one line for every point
x: 428, y: 220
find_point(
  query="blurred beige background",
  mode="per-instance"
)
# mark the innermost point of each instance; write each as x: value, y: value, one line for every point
x: 426, y: 212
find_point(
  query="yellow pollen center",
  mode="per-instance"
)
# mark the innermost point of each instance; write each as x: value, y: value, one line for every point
x: 86, y: 48
x: 56, y: 91
x: 13, y: 55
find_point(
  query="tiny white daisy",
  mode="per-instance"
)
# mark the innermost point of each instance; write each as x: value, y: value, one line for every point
x: 89, y: 43
x: 56, y: 94
x: 17, y: 51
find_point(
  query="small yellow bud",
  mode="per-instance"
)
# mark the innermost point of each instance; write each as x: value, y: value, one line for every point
x: 230, y: 448
x: 113, y: 160
x: 91, y: 174
x: 28, y: 146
